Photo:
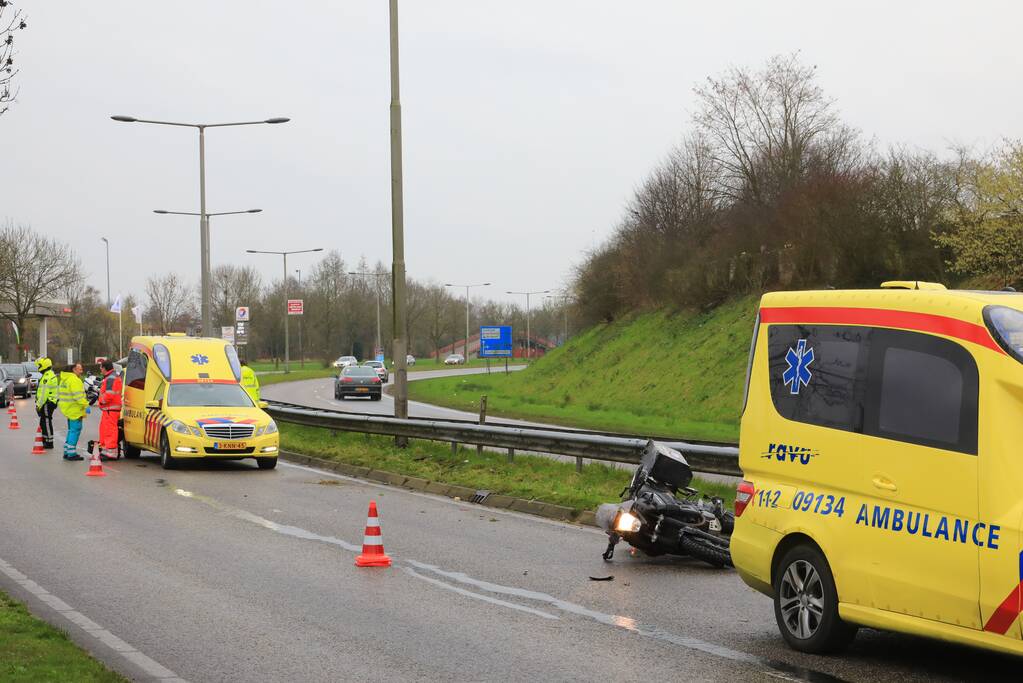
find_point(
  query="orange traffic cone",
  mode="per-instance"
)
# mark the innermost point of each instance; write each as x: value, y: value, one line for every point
x: 95, y: 466
x: 14, y: 421
x: 37, y: 447
x: 372, y: 543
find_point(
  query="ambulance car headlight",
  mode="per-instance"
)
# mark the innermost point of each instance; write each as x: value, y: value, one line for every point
x: 271, y: 428
x: 195, y: 431
x: 179, y: 427
x: 1006, y: 326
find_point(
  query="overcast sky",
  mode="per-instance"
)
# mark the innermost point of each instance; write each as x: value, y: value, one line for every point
x: 527, y: 124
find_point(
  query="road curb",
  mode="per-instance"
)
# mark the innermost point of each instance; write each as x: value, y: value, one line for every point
x: 531, y: 507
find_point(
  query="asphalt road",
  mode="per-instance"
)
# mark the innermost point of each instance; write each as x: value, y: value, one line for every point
x: 320, y: 393
x: 225, y: 573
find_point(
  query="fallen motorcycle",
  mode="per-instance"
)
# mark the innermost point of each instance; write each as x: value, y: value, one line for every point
x: 662, y: 515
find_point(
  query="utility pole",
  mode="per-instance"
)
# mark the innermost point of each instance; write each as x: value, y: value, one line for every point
x: 400, y: 326
x: 465, y: 346
x: 529, y: 338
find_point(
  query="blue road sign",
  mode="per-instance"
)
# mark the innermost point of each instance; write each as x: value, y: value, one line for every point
x: 495, y: 341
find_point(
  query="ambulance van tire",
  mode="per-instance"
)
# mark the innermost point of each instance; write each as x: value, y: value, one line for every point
x: 803, y: 582
x: 266, y: 463
x: 168, y: 461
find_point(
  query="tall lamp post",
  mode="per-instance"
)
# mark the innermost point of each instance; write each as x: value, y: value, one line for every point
x: 301, y: 322
x: 204, y: 223
x: 529, y: 336
x: 376, y: 286
x: 107, y: 242
x: 465, y: 347
x: 287, y: 339
x: 563, y: 298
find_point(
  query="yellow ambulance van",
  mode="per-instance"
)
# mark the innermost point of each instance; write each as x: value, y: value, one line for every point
x: 882, y: 448
x: 183, y: 399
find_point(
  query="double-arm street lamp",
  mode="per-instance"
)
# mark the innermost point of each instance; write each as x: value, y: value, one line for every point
x: 529, y: 337
x: 376, y: 286
x: 465, y: 347
x: 204, y: 223
x: 287, y: 339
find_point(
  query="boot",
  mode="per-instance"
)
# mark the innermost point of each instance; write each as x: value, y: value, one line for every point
x: 89, y: 446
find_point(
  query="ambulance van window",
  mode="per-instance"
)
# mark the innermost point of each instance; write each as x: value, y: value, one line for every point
x: 818, y: 373
x: 135, y: 373
x: 923, y: 390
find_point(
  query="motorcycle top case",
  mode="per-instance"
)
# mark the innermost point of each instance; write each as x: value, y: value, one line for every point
x: 666, y: 465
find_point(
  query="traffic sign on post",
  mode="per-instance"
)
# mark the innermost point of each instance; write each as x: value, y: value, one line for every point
x: 227, y: 333
x: 295, y: 306
x: 495, y: 341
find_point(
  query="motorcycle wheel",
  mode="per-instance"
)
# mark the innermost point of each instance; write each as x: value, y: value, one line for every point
x: 705, y: 547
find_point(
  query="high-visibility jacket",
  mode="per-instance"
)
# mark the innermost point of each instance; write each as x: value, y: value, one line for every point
x: 71, y: 396
x: 110, y: 392
x: 46, y: 391
x: 250, y: 384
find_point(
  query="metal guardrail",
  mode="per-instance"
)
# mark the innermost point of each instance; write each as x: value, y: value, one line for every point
x: 717, y: 459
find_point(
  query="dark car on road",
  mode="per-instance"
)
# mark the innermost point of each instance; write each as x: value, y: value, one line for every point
x: 33, y: 374
x: 19, y: 378
x: 358, y: 380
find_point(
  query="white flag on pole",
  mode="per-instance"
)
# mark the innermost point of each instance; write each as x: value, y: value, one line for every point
x: 137, y: 311
x: 116, y: 306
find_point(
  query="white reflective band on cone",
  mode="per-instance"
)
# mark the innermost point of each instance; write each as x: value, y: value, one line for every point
x: 372, y: 540
x: 373, y: 521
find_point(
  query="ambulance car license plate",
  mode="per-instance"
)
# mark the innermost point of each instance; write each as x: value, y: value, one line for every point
x: 361, y: 390
x: 229, y: 445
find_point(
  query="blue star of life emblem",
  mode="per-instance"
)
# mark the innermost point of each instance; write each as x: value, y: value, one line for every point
x: 200, y: 359
x: 798, y: 373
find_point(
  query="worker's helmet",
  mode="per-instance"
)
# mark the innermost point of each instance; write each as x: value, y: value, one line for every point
x: 44, y: 364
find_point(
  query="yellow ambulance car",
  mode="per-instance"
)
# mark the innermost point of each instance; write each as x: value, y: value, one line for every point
x: 183, y: 399
x: 882, y: 446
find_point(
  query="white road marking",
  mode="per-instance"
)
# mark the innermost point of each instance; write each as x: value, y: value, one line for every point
x: 126, y: 650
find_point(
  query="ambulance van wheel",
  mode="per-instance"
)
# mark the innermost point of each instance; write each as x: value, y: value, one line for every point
x: 130, y: 451
x: 166, y: 459
x: 266, y: 463
x: 806, y: 603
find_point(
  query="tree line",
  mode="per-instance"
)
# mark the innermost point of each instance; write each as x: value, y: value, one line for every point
x: 769, y: 188
x: 340, y: 308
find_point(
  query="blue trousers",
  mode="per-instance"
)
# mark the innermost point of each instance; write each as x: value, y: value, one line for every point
x: 74, y: 430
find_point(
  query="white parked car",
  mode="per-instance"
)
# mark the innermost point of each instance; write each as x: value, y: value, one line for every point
x: 454, y: 359
x: 380, y: 368
x: 346, y: 361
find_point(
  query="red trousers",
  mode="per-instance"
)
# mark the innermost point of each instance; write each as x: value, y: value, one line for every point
x: 108, y: 433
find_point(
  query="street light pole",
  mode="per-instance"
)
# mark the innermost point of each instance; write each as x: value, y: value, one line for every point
x: 301, y: 322
x: 529, y: 337
x: 376, y: 285
x: 204, y: 222
x: 563, y: 298
x: 400, y: 331
x: 107, y: 242
x: 465, y: 346
x: 287, y: 339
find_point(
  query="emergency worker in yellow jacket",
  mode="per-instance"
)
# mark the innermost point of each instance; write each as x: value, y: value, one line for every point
x: 249, y: 382
x: 73, y: 404
x: 46, y: 399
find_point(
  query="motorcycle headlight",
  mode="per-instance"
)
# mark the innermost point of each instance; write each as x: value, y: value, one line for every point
x: 179, y: 427
x: 627, y: 522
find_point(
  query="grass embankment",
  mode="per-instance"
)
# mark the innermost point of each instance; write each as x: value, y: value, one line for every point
x: 31, y: 650
x: 658, y: 373
x: 529, y: 477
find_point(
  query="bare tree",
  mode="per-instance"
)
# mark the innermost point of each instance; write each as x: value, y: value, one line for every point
x: 36, y: 269
x: 11, y: 21
x: 234, y: 286
x: 171, y: 302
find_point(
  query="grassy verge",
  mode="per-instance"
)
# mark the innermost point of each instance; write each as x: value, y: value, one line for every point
x: 659, y: 374
x: 31, y: 650
x: 529, y: 477
x: 296, y: 375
